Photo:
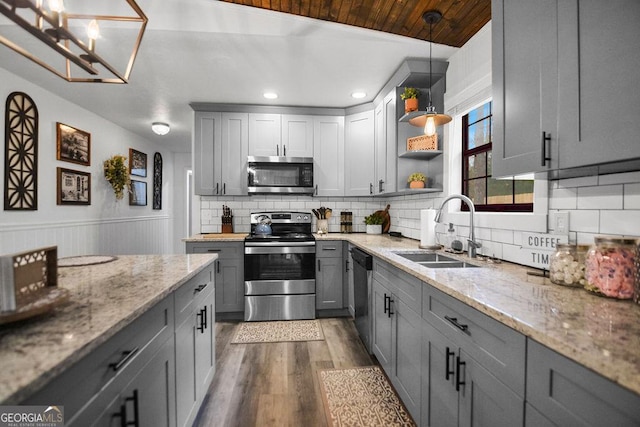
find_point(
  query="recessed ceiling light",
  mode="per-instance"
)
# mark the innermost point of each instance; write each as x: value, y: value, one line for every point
x: 270, y: 95
x: 160, y: 128
x: 358, y: 95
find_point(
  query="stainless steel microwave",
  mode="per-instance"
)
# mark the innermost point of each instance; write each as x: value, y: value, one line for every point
x: 282, y: 175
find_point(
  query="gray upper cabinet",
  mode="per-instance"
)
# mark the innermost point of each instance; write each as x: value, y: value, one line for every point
x: 359, y: 150
x: 599, y: 69
x: 264, y: 135
x: 562, y: 73
x: 385, y: 145
x: 280, y: 135
x: 328, y: 155
x: 220, y: 147
x: 524, y: 68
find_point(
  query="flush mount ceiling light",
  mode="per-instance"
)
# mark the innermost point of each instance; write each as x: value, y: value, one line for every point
x: 358, y: 95
x: 270, y: 95
x: 160, y: 128
x: 70, y: 33
x: 430, y: 120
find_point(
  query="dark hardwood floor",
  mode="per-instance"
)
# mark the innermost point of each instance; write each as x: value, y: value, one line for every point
x: 276, y: 384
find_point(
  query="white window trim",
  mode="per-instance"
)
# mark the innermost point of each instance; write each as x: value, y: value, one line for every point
x: 517, y: 221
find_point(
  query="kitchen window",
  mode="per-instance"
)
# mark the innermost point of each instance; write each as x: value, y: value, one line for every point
x: 487, y: 193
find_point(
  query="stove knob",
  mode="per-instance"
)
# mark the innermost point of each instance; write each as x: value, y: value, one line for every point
x: 306, y: 217
x: 298, y: 217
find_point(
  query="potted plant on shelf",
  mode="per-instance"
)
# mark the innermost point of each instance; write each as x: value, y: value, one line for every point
x: 117, y: 173
x: 417, y: 180
x: 374, y: 223
x: 410, y: 97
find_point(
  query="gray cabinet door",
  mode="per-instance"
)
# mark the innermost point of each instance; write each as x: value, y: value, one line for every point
x: 234, y: 149
x: 569, y: 394
x: 439, y: 395
x: 329, y: 287
x: 599, y: 64
x: 328, y: 156
x: 484, y: 400
x: 382, y: 339
x: 186, y: 398
x: 265, y: 135
x: 524, y: 72
x: 229, y: 273
x: 207, y: 131
x: 406, y: 358
x: 205, y: 341
x: 359, y: 150
x: 297, y: 135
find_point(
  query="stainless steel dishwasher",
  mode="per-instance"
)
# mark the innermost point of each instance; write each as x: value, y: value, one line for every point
x: 362, y: 266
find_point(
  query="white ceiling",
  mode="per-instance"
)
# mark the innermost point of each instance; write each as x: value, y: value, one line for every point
x: 210, y: 51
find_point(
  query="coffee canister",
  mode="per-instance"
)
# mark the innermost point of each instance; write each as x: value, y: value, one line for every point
x: 610, y: 267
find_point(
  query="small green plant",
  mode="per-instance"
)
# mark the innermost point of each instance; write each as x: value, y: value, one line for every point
x: 410, y: 92
x: 417, y: 176
x: 374, y: 219
x: 117, y: 173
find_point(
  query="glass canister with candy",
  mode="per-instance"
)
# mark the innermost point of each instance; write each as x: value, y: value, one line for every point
x: 610, y: 267
x: 567, y: 265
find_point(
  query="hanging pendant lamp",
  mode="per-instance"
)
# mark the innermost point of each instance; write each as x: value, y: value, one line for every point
x: 430, y: 120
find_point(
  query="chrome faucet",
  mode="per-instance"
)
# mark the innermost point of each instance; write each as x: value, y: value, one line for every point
x: 472, y: 244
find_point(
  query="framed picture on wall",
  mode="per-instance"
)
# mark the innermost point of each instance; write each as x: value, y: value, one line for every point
x: 73, y: 145
x: 137, y: 163
x: 138, y: 193
x: 73, y: 187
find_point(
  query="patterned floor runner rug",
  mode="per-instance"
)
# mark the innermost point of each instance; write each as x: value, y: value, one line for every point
x: 281, y: 331
x: 361, y: 397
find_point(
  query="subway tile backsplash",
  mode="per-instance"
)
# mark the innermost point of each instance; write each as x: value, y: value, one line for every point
x: 606, y: 204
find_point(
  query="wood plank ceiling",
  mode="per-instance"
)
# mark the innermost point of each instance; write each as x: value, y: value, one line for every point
x: 461, y: 19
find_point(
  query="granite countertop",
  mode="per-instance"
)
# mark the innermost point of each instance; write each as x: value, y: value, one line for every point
x: 600, y: 333
x: 104, y: 298
x: 218, y: 237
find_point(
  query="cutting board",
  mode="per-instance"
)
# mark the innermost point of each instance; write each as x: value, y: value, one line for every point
x: 386, y: 224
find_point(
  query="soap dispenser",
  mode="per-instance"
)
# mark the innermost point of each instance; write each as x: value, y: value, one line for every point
x: 451, y: 236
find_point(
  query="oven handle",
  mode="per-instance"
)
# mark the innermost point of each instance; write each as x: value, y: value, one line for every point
x: 280, y: 249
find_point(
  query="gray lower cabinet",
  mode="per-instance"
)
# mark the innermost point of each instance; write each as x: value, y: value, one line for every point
x: 473, y: 367
x: 195, y: 345
x: 397, y: 330
x: 563, y: 393
x: 154, y: 372
x: 329, y: 275
x: 229, y: 272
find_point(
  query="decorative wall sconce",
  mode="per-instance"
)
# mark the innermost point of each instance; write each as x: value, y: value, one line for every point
x: 73, y: 33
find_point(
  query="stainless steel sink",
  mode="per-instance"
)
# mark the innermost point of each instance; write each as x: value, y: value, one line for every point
x: 447, y: 264
x: 424, y: 257
x: 434, y: 260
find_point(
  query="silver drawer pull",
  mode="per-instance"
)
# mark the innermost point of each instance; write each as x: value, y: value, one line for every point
x: 126, y: 356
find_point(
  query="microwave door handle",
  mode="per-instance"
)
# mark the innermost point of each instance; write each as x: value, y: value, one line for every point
x: 284, y: 150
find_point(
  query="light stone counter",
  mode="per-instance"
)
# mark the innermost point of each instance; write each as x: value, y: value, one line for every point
x: 600, y: 333
x: 104, y: 298
x: 217, y: 237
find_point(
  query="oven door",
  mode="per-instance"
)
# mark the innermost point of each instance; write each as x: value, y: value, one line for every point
x: 279, y: 262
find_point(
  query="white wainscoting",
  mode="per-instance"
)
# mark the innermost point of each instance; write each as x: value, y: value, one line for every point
x: 121, y: 236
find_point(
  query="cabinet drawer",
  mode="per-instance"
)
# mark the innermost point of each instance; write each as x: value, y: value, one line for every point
x: 110, y: 362
x: 330, y: 249
x: 198, y: 287
x: 404, y: 286
x: 225, y: 250
x: 569, y: 394
x: 498, y: 348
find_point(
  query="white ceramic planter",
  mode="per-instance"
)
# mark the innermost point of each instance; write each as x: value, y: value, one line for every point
x: 374, y: 229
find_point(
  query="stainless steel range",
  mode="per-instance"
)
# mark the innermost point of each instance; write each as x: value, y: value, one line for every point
x: 279, y: 267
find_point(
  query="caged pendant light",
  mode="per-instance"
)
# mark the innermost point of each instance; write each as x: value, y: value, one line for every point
x: 430, y: 120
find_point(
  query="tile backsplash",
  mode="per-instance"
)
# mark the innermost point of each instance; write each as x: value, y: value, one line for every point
x: 606, y: 204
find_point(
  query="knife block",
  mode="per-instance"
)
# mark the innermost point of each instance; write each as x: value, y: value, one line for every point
x: 227, y: 224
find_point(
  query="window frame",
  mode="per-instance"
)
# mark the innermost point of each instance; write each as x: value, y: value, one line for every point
x: 467, y: 153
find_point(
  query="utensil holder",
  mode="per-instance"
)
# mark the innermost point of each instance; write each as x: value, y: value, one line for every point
x: 322, y: 226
